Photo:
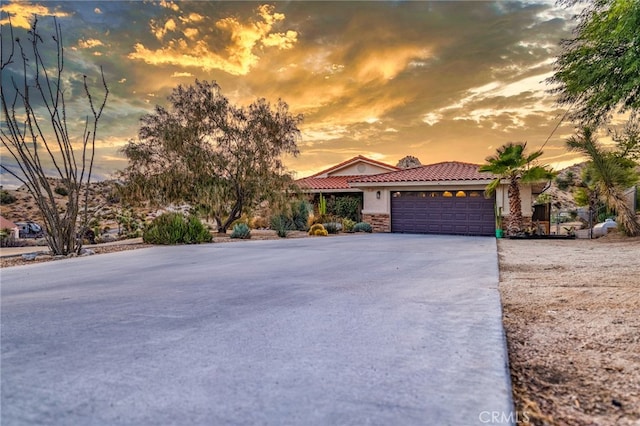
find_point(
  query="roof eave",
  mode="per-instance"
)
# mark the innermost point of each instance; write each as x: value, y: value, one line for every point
x: 467, y: 182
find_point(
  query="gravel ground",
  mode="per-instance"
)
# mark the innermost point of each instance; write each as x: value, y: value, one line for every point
x: 572, y: 319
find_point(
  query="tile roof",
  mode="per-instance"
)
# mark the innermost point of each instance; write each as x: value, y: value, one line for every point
x: 445, y: 171
x: 331, y: 182
x: 6, y: 223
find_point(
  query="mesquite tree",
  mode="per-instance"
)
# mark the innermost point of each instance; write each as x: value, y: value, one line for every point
x: 220, y: 158
x: 35, y: 135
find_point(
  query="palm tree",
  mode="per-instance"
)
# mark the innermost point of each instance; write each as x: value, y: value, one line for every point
x: 512, y: 164
x: 609, y: 175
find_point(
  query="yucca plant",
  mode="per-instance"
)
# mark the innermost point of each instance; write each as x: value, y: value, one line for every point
x: 241, y: 231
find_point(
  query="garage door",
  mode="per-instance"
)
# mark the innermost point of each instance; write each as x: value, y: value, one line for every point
x: 442, y: 212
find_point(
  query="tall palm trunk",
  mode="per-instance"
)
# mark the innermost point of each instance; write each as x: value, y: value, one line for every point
x: 514, y: 224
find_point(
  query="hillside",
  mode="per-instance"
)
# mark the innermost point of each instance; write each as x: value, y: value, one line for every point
x: 108, y: 214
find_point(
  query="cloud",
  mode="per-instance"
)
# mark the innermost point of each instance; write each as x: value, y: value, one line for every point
x: 89, y: 43
x: 161, y: 30
x: 22, y: 13
x: 181, y: 74
x: 239, y: 55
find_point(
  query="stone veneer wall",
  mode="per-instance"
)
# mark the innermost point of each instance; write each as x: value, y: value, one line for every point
x: 380, y: 222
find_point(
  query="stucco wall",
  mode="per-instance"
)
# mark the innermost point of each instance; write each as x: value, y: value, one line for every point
x: 360, y: 168
x: 526, y: 199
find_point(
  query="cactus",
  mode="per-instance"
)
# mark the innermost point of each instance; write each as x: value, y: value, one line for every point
x: 362, y: 227
x: 318, y: 229
x: 241, y: 231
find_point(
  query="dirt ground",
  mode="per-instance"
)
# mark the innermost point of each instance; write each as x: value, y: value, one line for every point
x: 572, y: 320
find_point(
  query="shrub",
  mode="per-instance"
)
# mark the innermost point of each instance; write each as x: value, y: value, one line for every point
x: 348, y: 207
x: 241, y: 231
x: 300, y: 214
x: 332, y: 227
x: 174, y: 228
x: 280, y: 224
x: 347, y: 225
x: 318, y: 229
x: 6, y: 198
x: 362, y: 227
x: 61, y: 190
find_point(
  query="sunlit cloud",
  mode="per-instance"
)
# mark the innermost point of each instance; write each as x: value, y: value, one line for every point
x: 181, y: 74
x: 22, y: 13
x: 89, y: 43
x: 160, y: 30
x: 170, y: 5
x: 238, y: 57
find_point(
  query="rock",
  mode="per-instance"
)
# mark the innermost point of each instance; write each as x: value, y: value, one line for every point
x: 86, y: 252
x: 29, y: 256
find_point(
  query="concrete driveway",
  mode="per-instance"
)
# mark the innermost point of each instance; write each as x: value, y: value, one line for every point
x: 374, y: 329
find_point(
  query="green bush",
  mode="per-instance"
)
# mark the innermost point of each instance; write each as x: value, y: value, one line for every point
x: 280, y: 223
x: 332, y: 227
x: 348, y: 207
x: 241, y: 231
x: 300, y: 214
x: 6, y: 198
x: 347, y: 225
x: 174, y: 228
x: 362, y: 227
x: 61, y: 190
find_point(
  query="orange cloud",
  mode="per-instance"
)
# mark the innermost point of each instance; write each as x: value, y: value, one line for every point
x: 238, y: 58
x: 22, y: 13
x: 90, y: 43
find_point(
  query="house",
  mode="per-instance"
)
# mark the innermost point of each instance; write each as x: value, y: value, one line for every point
x: 13, y: 231
x: 441, y: 198
x: 334, y: 181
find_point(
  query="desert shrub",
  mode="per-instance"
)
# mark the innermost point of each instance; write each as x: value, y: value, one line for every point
x: 241, y: 231
x: 362, y: 227
x: 174, y: 228
x: 347, y: 225
x: 318, y: 229
x: 6, y: 197
x: 332, y: 227
x: 280, y: 223
x: 300, y: 214
x: 61, y: 190
x: 348, y: 207
x: 258, y: 222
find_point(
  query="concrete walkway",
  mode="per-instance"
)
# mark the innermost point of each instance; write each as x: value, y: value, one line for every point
x: 375, y: 329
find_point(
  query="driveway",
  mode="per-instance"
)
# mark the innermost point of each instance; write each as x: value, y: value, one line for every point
x: 374, y: 329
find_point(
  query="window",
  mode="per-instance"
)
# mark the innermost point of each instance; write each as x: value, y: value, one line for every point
x: 461, y: 194
x: 474, y: 194
x: 447, y: 194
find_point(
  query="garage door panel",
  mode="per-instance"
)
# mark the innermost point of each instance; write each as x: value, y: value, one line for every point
x: 413, y: 213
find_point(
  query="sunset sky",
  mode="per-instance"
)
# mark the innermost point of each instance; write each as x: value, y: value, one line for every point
x: 444, y: 80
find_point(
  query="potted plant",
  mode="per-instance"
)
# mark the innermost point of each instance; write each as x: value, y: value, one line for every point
x: 499, y: 231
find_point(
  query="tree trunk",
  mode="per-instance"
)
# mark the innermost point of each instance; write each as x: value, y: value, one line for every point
x: 514, y: 224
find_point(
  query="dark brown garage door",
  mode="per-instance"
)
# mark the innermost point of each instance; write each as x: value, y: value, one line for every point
x: 442, y: 212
